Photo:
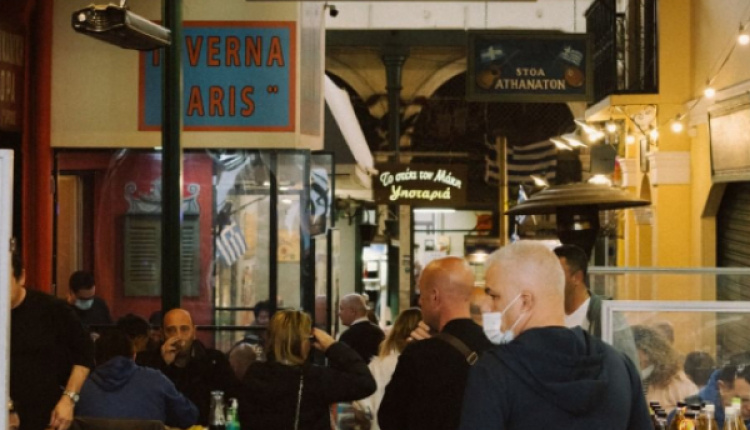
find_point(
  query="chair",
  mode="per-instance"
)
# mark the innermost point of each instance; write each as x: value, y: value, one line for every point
x: 87, y: 423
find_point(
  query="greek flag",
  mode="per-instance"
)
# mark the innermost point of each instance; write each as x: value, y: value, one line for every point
x: 231, y: 243
x: 539, y: 158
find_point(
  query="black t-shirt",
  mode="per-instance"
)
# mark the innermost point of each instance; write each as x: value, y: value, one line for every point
x: 97, y: 314
x: 47, y: 339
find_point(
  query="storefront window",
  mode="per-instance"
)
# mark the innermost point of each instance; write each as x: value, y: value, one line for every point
x: 108, y: 221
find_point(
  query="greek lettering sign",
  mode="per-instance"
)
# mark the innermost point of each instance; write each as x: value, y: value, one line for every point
x: 11, y: 78
x: 237, y: 76
x: 421, y: 185
x: 529, y: 67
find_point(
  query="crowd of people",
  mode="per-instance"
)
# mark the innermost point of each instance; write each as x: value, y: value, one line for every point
x: 525, y: 352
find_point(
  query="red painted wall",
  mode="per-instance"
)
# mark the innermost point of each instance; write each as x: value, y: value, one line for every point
x: 112, y: 173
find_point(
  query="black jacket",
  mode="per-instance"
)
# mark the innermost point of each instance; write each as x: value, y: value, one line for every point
x: 208, y: 370
x: 270, y: 391
x: 363, y: 337
x: 554, y: 377
x: 427, y: 386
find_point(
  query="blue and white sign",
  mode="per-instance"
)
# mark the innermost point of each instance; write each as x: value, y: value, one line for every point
x: 237, y: 76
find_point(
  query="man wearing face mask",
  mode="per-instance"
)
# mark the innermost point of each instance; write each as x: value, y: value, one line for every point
x: 90, y: 309
x: 427, y: 386
x: 544, y: 374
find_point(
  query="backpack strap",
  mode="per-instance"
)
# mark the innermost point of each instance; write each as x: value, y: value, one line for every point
x: 471, y: 356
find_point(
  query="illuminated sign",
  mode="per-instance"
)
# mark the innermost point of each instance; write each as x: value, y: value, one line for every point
x: 237, y: 76
x: 11, y: 78
x: 529, y: 67
x: 421, y: 185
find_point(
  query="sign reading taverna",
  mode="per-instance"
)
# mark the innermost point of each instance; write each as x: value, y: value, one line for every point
x: 529, y: 67
x: 424, y: 185
x: 237, y: 76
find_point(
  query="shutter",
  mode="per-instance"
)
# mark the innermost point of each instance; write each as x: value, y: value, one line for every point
x: 733, y: 250
x: 142, y: 259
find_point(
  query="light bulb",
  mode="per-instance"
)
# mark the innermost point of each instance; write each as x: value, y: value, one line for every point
x: 630, y: 139
x: 709, y: 93
x: 611, y: 126
x: 677, y: 126
x: 743, y: 39
x: 654, y: 134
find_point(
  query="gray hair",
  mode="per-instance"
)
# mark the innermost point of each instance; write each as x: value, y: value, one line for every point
x: 532, y: 264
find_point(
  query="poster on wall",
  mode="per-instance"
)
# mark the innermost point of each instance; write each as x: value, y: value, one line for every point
x: 237, y: 76
x: 529, y: 67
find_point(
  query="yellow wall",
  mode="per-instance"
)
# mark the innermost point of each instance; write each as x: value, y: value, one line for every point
x: 95, y: 85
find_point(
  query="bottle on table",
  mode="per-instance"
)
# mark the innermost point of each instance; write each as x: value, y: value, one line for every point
x: 729, y: 421
x: 678, y: 417
x: 216, y: 418
x: 233, y: 422
x: 706, y: 419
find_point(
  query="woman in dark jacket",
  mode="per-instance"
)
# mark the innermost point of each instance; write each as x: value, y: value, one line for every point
x: 286, y: 392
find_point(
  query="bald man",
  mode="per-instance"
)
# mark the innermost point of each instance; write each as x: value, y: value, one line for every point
x: 362, y: 335
x: 193, y: 368
x: 544, y: 374
x: 427, y: 386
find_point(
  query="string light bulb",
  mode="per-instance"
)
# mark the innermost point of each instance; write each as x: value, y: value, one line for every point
x: 630, y: 139
x: 677, y: 126
x: 743, y: 38
x: 709, y: 92
x: 654, y: 134
x: 611, y: 126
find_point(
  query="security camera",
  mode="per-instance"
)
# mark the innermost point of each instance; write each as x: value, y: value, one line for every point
x: 332, y: 11
x: 118, y: 26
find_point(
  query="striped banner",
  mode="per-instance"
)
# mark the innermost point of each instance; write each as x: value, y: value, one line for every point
x: 231, y: 244
x: 538, y: 159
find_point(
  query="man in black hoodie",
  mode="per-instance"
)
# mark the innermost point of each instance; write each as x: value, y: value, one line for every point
x: 544, y: 375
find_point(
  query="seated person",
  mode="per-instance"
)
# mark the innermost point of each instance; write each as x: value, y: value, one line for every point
x: 137, y: 329
x: 195, y: 369
x: 698, y: 367
x: 732, y: 380
x: 663, y: 378
x: 120, y: 389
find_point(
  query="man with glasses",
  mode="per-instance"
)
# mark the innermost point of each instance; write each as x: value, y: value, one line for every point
x: 729, y: 382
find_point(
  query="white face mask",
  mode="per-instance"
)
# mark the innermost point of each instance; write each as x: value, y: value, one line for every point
x: 492, y: 324
x: 84, y: 304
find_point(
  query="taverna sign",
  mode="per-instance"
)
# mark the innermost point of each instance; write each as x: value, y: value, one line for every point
x: 420, y: 185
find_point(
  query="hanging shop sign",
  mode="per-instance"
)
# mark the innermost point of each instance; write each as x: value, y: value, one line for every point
x: 425, y: 185
x: 237, y: 76
x: 11, y: 77
x: 529, y: 67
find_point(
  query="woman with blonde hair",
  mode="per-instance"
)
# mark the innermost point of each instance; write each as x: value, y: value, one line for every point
x: 384, y: 364
x: 286, y: 392
x: 664, y: 381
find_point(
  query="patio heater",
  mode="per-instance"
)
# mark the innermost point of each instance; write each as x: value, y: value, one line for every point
x: 576, y: 207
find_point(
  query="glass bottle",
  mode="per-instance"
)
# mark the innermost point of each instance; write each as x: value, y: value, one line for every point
x: 706, y: 420
x: 233, y: 422
x: 729, y: 421
x: 661, y: 420
x: 737, y: 406
x: 216, y: 418
x: 679, y: 417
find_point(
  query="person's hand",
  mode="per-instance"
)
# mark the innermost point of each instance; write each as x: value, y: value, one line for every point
x: 170, y: 349
x: 62, y: 415
x: 322, y: 339
x: 422, y: 332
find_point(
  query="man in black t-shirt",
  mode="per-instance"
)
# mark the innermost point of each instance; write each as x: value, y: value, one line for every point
x: 50, y: 356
